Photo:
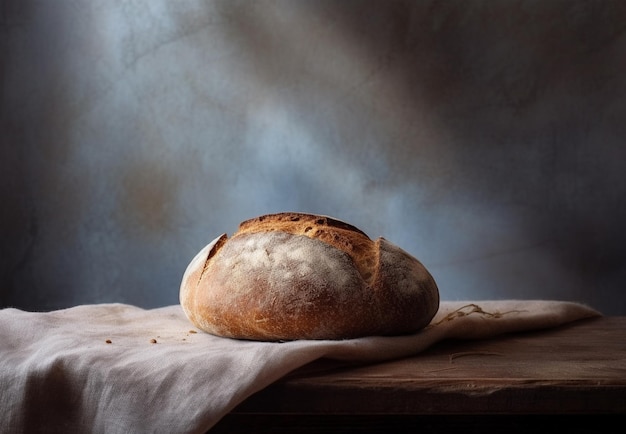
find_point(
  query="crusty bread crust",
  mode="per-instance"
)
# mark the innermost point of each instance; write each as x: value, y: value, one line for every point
x: 300, y: 276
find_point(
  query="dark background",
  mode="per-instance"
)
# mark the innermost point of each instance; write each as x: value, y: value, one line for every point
x: 484, y: 137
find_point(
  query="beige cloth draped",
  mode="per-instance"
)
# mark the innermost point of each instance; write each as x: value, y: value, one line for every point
x: 115, y: 368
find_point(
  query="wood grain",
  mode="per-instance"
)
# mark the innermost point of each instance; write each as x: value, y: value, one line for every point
x: 579, y: 368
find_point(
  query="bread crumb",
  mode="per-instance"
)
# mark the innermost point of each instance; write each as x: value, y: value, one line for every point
x: 153, y: 341
x: 192, y: 331
x: 108, y: 341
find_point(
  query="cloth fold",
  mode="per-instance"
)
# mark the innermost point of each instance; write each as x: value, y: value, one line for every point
x: 117, y: 368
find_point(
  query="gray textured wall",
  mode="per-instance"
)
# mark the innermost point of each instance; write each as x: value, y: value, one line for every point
x: 484, y: 137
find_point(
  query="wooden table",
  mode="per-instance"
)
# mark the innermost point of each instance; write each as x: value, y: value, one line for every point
x: 568, y: 379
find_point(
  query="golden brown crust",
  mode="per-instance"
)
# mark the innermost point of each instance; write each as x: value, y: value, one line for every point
x: 301, y: 276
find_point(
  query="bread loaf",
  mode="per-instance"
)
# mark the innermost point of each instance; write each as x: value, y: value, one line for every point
x: 294, y: 276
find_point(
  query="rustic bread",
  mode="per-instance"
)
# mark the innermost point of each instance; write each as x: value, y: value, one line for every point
x: 300, y: 276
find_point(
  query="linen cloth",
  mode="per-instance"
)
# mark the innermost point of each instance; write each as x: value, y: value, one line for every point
x: 117, y: 368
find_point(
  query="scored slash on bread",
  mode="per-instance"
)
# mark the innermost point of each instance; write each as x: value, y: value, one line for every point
x: 293, y: 276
